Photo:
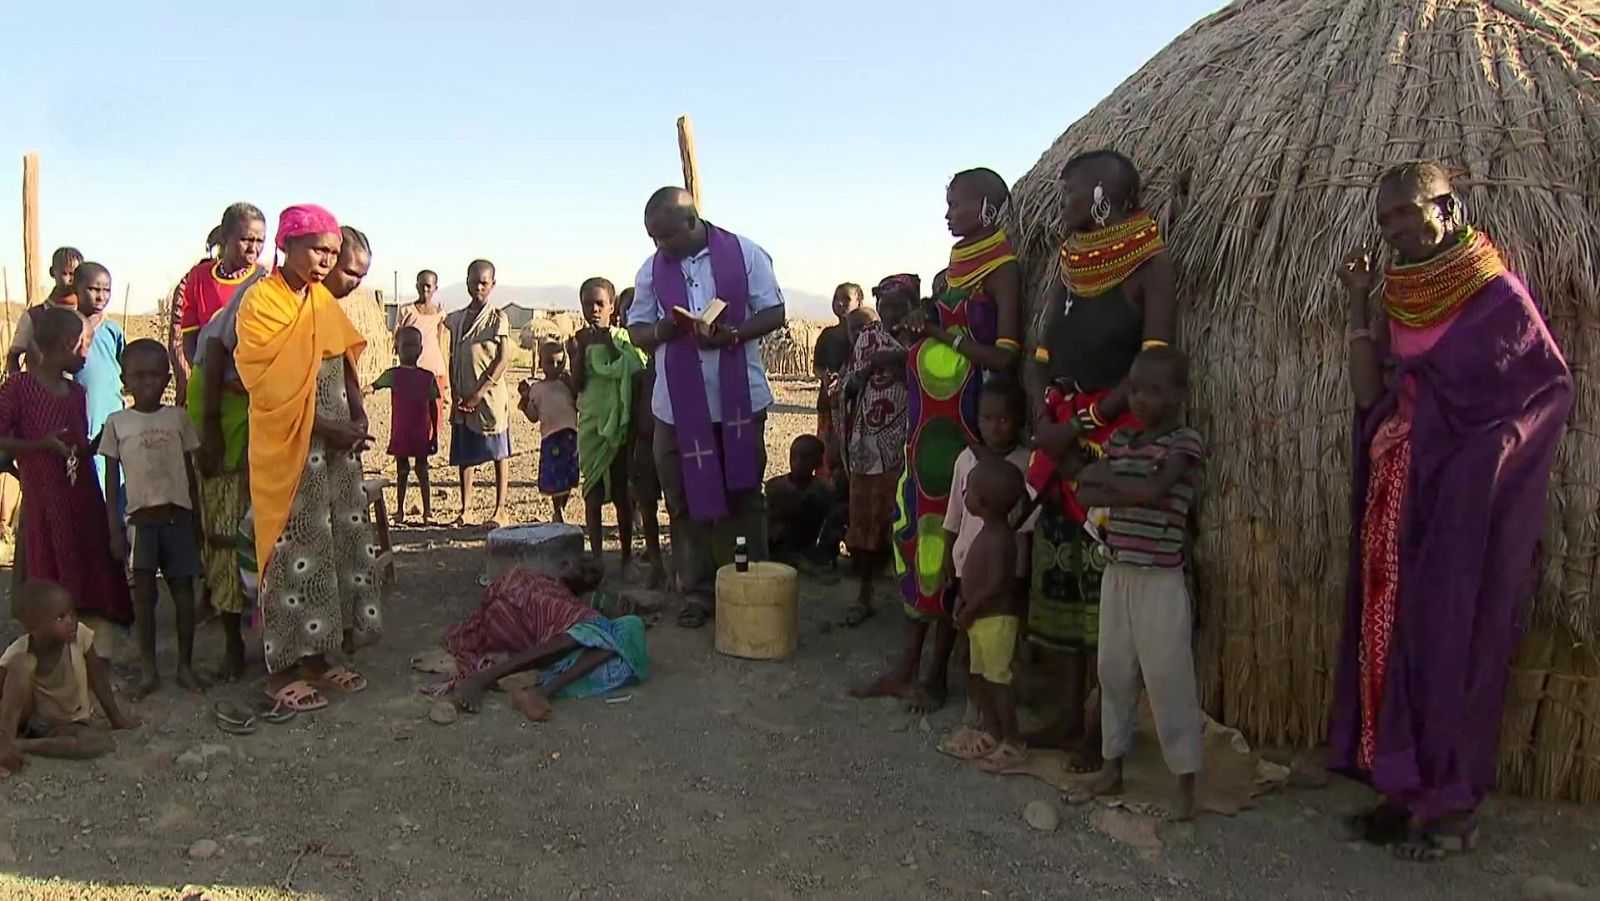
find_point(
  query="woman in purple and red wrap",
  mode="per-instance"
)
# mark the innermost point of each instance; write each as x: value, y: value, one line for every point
x: 1461, y: 397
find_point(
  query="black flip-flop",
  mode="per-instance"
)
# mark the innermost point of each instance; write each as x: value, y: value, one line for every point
x: 276, y: 714
x: 233, y: 719
x: 693, y: 617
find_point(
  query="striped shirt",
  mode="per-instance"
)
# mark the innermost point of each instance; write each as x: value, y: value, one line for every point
x: 1153, y: 536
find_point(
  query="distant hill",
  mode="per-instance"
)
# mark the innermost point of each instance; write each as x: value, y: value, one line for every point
x: 800, y: 304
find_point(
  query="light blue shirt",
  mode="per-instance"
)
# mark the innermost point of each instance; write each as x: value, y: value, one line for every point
x: 702, y: 284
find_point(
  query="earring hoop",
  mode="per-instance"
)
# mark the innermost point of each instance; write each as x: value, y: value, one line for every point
x: 1101, y: 211
x: 988, y: 215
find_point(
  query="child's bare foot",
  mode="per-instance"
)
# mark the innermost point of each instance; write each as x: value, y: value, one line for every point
x: 188, y: 680
x: 929, y: 696
x: 149, y: 682
x: 232, y: 670
x: 468, y: 697
x: 532, y: 704
x: 1184, y: 809
x: 499, y: 519
x: 889, y: 685
x: 10, y: 759
x: 1108, y: 783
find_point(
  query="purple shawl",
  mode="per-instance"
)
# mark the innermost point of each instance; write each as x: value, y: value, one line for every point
x: 1492, y: 398
x: 710, y: 469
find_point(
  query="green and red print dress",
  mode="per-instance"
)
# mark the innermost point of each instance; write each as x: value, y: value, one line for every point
x: 942, y: 390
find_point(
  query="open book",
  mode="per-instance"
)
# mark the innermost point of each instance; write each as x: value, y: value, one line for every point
x: 700, y: 324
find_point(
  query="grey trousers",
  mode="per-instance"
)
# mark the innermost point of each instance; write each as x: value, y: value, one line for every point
x: 697, y: 546
x: 1145, y: 627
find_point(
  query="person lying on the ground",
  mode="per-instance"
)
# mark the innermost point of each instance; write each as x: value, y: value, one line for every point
x: 531, y: 621
x: 46, y: 678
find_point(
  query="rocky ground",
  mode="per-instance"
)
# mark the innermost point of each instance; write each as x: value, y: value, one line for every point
x: 717, y: 778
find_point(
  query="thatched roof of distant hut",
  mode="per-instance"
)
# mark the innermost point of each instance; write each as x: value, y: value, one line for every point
x: 1261, y: 132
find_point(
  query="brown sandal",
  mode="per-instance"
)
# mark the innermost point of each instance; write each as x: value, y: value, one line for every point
x: 299, y: 696
x: 967, y: 743
x: 1005, y: 758
x: 343, y: 679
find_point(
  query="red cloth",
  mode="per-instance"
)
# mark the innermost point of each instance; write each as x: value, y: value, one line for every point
x: 204, y: 295
x: 1380, y: 578
x: 65, y: 535
x: 520, y: 611
x: 1061, y: 406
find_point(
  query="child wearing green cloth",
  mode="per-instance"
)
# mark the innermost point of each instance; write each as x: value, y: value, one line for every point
x: 604, y: 365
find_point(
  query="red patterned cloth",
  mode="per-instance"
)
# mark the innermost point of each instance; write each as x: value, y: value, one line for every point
x: 1380, y: 571
x: 1061, y: 406
x: 520, y: 611
x: 65, y: 536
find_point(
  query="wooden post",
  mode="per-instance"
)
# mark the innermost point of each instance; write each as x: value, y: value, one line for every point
x: 691, y: 168
x: 5, y: 277
x: 30, y: 227
x: 127, y: 289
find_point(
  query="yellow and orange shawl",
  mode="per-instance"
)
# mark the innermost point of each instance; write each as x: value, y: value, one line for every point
x: 283, y: 339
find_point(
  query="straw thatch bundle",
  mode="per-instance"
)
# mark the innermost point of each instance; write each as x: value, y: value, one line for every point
x: 367, y: 315
x: 1261, y: 132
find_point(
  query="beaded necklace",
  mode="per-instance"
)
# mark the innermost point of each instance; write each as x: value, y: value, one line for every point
x: 1420, y: 295
x: 971, y: 263
x: 1093, y: 263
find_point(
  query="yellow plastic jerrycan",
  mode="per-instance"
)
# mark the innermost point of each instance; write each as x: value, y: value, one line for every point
x: 758, y: 611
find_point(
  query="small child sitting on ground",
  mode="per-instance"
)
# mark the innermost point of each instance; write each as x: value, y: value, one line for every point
x: 1149, y: 479
x: 990, y: 605
x: 152, y: 444
x: 46, y: 678
x: 798, y: 503
x: 552, y: 403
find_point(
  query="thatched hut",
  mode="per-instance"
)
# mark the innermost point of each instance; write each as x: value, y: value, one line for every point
x: 368, y: 316
x: 1261, y: 132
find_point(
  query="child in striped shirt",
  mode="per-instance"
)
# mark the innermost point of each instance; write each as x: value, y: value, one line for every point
x: 1149, y: 480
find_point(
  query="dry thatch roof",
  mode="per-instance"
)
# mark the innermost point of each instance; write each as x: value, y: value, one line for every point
x: 1260, y: 133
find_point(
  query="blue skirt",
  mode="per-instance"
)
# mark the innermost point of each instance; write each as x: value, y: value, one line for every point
x: 558, y: 462
x: 471, y: 448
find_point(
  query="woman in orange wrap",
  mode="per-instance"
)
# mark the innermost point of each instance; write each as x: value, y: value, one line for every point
x: 314, y: 545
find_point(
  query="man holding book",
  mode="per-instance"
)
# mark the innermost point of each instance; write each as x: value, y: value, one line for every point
x: 705, y: 299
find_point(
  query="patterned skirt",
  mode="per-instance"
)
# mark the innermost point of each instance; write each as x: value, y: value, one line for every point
x: 1380, y: 576
x: 558, y: 463
x: 1064, y: 602
x: 319, y: 580
x: 223, y: 501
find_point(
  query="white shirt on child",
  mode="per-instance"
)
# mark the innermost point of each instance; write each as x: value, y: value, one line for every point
x: 152, y: 449
x: 61, y: 695
x: 966, y: 526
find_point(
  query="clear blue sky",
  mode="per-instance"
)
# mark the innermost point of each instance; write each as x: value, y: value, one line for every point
x: 532, y: 133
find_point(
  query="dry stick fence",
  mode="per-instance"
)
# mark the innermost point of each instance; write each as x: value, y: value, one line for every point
x: 1260, y: 133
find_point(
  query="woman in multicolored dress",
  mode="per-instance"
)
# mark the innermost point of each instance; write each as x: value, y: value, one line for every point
x: 1116, y: 296
x: 973, y: 324
x: 314, y: 544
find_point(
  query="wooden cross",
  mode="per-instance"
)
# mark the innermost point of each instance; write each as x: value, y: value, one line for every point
x: 699, y: 454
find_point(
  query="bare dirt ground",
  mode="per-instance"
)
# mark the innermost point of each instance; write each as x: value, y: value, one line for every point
x: 717, y: 778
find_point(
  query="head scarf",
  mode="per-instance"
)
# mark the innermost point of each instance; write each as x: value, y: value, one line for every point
x: 905, y: 282
x: 304, y: 219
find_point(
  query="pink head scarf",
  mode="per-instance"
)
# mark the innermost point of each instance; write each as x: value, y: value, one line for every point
x: 304, y: 219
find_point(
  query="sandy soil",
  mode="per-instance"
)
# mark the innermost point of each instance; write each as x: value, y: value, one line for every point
x: 718, y: 778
